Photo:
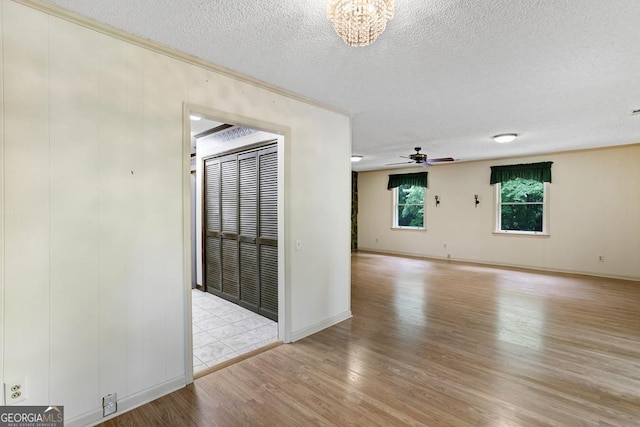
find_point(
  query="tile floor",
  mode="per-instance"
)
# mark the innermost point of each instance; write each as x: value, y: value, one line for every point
x: 223, y: 330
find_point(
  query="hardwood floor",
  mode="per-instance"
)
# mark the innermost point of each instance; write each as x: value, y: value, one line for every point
x: 439, y: 344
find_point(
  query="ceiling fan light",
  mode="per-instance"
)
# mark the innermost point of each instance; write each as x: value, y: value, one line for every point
x: 356, y: 158
x: 505, y: 137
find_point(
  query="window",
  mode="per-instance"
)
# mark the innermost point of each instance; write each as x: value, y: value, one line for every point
x: 409, y: 206
x: 521, y: 206
x: 522, y: 197
x: 408, y: 199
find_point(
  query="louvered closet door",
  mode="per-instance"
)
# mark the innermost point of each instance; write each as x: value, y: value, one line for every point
x: 241, y: 229
x: 229, y: 205
x: 248, y: 182
x: 212, y: 227
x: 268, y: 232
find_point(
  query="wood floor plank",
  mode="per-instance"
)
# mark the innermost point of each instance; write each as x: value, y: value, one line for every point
x: 438, y: 343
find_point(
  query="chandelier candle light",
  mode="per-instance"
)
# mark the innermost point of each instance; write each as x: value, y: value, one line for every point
x: 359, y: 22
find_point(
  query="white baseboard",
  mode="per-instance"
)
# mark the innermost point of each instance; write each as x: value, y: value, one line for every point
x: 317, y: 327
x: 128, y: 403
x: 504, y: 264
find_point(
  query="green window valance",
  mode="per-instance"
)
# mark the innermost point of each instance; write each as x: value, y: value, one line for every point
x: 535, y: 171
x: 417, y: 179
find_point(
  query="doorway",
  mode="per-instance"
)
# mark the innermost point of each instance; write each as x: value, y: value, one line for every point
x: 240, y: 228
x: 229, y: 317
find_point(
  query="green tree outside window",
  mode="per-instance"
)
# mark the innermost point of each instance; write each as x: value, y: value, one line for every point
x: 410, y: 206
x: 521, y: 205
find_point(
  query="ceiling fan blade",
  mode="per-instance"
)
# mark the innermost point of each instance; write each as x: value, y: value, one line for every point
x: 401, y: 163
x: 441, y: 159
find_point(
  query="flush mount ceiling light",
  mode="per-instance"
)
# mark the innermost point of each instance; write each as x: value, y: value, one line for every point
x: 356, y: 158
x: 505, y: 137
x: 359, y: 22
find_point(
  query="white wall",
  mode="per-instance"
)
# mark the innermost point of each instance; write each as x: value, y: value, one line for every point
x: 594, y: 210
x: 93, y: 221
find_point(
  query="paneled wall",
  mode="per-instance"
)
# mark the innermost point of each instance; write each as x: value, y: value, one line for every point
x: 594, y: 210
x: 92, y: 221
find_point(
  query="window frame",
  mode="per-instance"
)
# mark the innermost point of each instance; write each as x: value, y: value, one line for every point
x: 498, y: 213
x: 395, y: 205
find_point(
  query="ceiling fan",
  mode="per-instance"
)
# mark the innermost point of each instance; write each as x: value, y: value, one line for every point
x: 422, y: 159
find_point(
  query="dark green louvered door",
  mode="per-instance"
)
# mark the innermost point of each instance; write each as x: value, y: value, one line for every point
x: 268, y: 232
x: 212, y: 228
x: 248, y: 202
x: 241, y: 235
x: 229, y: 235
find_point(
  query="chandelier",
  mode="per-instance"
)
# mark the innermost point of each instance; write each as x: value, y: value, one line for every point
x: 359, y: 22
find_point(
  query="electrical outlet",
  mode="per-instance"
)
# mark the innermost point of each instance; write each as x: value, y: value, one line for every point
x: 448, y: 256
x: 15, y: 391
x: 109, y: 404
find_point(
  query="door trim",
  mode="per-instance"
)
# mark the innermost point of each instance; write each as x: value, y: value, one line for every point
x: 283, y: 137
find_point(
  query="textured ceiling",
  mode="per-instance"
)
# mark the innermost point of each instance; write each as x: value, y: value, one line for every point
x: 446, y: 75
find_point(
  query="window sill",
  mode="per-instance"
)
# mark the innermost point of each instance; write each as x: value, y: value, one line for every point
x: 521, y: 234
x: 409, y: 228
